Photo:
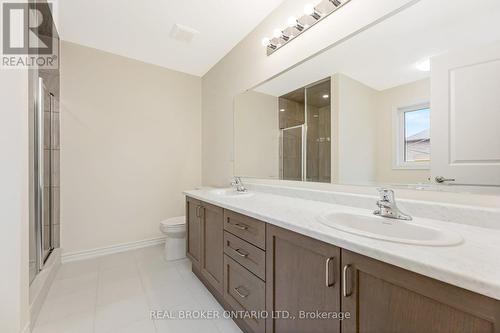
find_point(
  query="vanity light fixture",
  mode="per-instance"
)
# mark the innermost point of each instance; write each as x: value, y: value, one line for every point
x: 282, y: 110
x: 326, y: 96
x: 296, y: 26
x: 311, y: 11
x: 293, y: 23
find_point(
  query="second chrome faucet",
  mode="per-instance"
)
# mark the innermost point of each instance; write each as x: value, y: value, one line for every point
x: 238, y: 184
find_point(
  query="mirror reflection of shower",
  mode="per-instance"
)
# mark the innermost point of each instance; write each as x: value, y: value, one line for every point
x: 305, y: 133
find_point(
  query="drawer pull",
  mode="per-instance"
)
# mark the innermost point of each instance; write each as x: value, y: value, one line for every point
x: 327, y: 275
x: 240, y: 293
x: 239, y: 252
x: 239, y: 226
x: 347, y: 292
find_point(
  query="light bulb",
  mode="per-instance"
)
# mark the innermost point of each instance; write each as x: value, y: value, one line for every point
x: 277, y: 33
x: 265, y: 41
x: 325, y: 96
x: 309, y: 9
x: 292, y: 21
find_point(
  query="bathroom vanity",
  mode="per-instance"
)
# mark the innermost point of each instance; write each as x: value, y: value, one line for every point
x: 269, y: 252
x: 318, y: 137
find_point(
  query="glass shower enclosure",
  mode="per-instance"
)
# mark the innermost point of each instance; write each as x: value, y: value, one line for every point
x: 44, y: 218
x: 305, y: 133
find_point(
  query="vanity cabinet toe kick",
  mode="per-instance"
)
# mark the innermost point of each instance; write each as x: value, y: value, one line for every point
x: 285, y: 282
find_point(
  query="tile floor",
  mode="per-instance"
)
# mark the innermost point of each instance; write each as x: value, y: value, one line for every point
x: 116, y: 293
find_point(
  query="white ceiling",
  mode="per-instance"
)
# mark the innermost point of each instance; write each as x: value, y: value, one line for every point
x: 385, y: 55
x: 141, y: 29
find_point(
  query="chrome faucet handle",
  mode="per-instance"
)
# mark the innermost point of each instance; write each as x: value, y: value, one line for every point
x: 238, y: 184
x: 386, y: 194
x: 388, y: 207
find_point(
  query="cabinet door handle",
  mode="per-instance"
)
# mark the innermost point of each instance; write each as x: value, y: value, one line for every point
x: 239, y: 252
x: 327, y: 274
x: 199, y: 211
x: 345, y: 278
x: 241, y: 294
x: 239, y: 226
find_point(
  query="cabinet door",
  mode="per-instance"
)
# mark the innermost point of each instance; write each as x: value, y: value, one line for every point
x: 212, y: 235
x: 302, y: 274
x: 193, y: 227
x: 384, y: 298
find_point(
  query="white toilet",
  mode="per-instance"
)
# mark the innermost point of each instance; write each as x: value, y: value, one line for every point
x: 175, y: 231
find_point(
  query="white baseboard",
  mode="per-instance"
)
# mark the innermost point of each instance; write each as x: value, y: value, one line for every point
x: 102, y: 251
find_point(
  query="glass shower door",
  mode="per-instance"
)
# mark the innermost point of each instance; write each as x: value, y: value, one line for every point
x: 43, y: 175
x: 292, y: 161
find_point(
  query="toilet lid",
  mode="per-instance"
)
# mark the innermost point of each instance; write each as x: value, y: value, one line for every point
x: 174, y: 221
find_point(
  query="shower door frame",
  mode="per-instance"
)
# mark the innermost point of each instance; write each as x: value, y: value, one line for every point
x: 303, y: 159
x: 40, y: 172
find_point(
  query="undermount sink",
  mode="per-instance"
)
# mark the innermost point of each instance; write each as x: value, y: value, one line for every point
x: 231, y: 193
x: 391, y: 230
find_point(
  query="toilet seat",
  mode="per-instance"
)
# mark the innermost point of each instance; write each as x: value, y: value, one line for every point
x: 174, y: 224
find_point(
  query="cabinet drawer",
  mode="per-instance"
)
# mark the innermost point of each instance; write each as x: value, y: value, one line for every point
x: 243, y: 291
x: 247, y: 228
x: 248, y: 255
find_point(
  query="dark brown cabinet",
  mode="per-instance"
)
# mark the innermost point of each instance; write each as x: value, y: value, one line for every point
x: 385, y: 298
x: 212, y: 235
x: 296, y: 279
x: 204, y: 244
x: 302, y: 277
x: 193, y: 227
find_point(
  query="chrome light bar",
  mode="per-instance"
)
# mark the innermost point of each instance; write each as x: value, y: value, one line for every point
x: 297, y: 26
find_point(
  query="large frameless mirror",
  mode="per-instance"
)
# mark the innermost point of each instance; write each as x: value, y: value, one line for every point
x: 411, y: 101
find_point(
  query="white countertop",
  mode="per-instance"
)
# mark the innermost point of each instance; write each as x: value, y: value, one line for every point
x: 474, y: 264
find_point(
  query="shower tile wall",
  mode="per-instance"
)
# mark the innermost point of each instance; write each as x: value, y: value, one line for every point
x: 312, y: 144
x: 52, y: 145
x: 318, y: 132
x: 325, y: 151
x: 56, y: 175
x: 292, y: 112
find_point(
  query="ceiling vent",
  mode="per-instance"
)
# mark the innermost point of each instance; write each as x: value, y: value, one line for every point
x: 183, y: 33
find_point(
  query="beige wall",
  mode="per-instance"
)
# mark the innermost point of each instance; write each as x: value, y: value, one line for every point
x: 247, y: 65
x: 130, y: 144
x: 14, y: 200
x: 388, y: 101
x: 256, y: 135
x: 354, y: 132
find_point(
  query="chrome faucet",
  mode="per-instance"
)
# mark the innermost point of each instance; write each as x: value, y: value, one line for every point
x: 387, y: 206
x: 238, y: 184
